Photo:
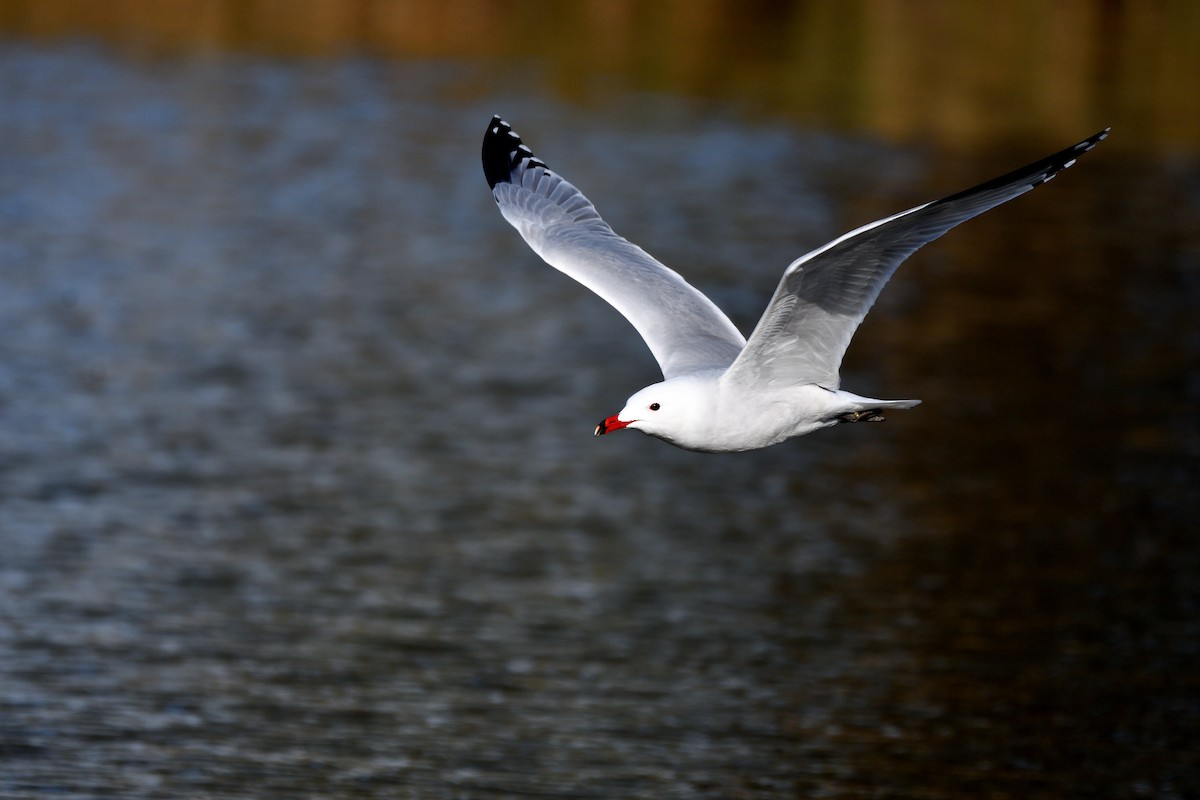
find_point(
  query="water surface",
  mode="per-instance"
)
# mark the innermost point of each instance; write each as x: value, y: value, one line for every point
x: 298, y: 496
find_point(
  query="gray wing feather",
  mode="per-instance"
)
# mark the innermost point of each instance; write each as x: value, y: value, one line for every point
x: 684, y: 330
x: 824, y: 295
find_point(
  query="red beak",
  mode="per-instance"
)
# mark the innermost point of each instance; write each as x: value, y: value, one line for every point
x: 611, y: 424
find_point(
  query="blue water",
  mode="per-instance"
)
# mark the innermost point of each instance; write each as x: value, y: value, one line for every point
x: 298, y: 495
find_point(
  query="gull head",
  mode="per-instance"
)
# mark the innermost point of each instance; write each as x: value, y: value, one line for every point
x: 670, y: 410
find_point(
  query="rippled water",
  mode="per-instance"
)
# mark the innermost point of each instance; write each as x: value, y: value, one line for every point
x: 298, y: 496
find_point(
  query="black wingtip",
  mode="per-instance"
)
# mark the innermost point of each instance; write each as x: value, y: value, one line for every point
x: 503, y: 151
x: 496, y: 159
x: 1064, y: 159
x: 1038, y: 172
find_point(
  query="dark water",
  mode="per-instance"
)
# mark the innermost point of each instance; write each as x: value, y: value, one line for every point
x: 298, y: 496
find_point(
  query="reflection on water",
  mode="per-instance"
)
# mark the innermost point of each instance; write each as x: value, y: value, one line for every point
x: 299, y: 496
x: 960, y: 73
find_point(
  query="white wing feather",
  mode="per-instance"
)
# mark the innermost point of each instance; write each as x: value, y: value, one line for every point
x: 684, y: 330
x: 824, y: 295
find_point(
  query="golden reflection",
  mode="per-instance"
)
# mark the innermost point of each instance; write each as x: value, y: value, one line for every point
x: 956, y: 72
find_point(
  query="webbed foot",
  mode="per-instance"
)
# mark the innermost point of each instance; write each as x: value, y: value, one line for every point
x: 866, y: 415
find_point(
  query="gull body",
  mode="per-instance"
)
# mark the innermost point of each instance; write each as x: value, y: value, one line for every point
x: 702, y: 412
x: 722, y: 392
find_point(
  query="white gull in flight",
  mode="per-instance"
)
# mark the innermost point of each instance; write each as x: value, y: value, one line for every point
x: 722, y: 392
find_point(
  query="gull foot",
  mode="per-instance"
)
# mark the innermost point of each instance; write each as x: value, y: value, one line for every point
x: 868, y: 415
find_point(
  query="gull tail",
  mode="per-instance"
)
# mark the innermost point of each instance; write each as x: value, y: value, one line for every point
x: 896, y: 403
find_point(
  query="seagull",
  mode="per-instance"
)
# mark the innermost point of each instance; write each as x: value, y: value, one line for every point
x: 720, y: 391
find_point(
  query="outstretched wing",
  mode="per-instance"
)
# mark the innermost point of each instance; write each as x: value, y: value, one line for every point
x: 684, y: 330
x: 825, y: 294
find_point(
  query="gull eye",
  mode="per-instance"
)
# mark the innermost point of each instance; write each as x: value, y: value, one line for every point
x: 655, y: 406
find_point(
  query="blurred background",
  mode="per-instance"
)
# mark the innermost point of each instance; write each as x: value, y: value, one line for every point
x: 298, y: 495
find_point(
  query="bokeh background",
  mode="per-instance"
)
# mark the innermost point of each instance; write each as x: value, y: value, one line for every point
x: 298, y: 495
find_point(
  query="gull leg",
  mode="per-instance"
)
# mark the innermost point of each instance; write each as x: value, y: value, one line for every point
x: 865, y: 415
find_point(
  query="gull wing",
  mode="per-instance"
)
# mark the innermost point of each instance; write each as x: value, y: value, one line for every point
x: 684, y: 330
x: 824, y: 295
